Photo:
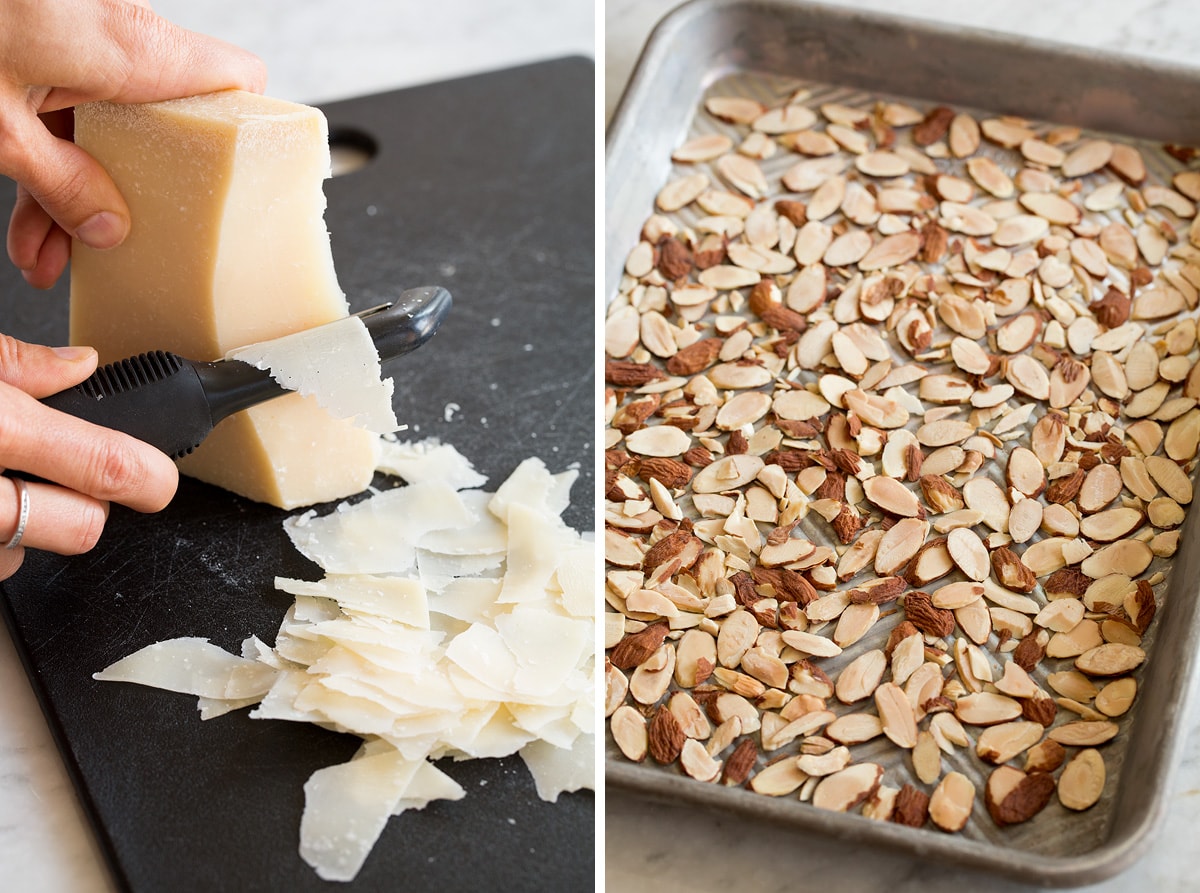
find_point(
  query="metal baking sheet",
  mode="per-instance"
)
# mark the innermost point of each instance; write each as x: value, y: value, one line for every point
x: 768, y: 50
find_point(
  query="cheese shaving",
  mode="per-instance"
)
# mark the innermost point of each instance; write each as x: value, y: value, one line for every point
x: 307, y: 361
x: 450, y: 622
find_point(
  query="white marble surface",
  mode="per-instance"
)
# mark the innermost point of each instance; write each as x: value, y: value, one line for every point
x: 316, y: 51
x: 670, y: 849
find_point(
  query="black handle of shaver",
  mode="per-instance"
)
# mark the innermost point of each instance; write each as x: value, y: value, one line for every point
x: 156, y: 397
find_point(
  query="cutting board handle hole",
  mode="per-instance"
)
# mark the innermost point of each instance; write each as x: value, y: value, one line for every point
x: 350, y: 150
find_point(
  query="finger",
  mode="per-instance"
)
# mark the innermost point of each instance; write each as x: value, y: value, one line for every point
x: 59, y: 520
x: 37, y: 246
x: 42, y: 371
x: 99, y: 462
x: 10, y: 560
x: 65, y: 180
x: 131, y: 54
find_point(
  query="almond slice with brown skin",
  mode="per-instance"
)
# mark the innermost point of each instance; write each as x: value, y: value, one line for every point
x: 1110, y: 659
x: 844, y: 790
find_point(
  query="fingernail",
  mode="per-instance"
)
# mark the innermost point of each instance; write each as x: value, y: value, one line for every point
x: 72, y: 354
x: 102, y: 230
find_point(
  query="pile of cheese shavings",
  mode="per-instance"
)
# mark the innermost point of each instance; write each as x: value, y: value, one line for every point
x: 450, y: 622
x: 353, y: 386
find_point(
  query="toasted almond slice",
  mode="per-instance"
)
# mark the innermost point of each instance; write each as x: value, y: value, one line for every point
x: 744, y: 174
x: 844, y: 790
x: 1052, y: 207
x: 881, y: 163
x: 1129, y: 557
x: 858, y: 680
x: 785, y: 119
x: 1087, y: 158
x: 1006, y: 741
x: 1110, y: 659
x: 1028, y: 376
x: 1101, y: 486
x: 969, y: 554
x: 967, y: 219
x: 1170, y: 477
x: 1006, y: 132
x: 630, y: 733
x: 985, y: 495
x: 854, y: 728
x: 1116, y: 697
x: 963, y: 136
x: 1110, y: 525
x: 1084, y: 733
x: 986, y: 708
x: 848, y: 248
x: 680, y: 193
x: 951, y: 802
x: 891, y: 496
x: 990, y: 177
x: 703, y: 148
x: 1082, y: 780
x: 1020, y: 229
x: 896, y: 714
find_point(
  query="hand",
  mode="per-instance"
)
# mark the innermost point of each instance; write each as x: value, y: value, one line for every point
x: 55, y: 54
x: 83, y: 465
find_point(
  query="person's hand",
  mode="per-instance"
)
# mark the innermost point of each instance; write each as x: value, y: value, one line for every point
x: 55, y: 54
x: 83, y: 466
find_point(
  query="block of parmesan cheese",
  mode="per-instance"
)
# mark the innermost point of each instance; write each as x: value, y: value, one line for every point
x: 228, y: 246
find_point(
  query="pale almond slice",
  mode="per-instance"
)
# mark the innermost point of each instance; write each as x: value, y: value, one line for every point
x: 1061, y: 615
x: 1162, y: 197
x: 1018, y: 333
x: 859, y: 679
x: 854, y: 728
x: 779, y: 779
x: 1016, y: 682
x: 1043, y: 153
x: 1110, y: 525
x: 882, y: 163
x: 1024, y: 520
x: 680, y: 193
x: 1116, y: 697
x: 954, y: 189
x: 986, y: 709
x: 967, y: 219
x: 703, y: 148
x: 969, y: 357
x: 957, y: 595
x: 1101, y: 486
x: 1019, y: 229
x: 810, y: 142
x: 1158, y: 302
x: 744, y: 174
x: 944, y: 432
x: 1110, y: 659
x: 1170, y: 477
x: 1052, y: 207
x: 827, y: 198
x: 1006, y: 741
x: 963, y: 136
x: 1163, y: 512
x: 848, y: 248
x: 986, y: 496
x: 891, y: 496
x: 721, y: 203
x: 629, y: 731
x: 820, y: 765
x: 1084, y: 733
x: 1007, y: 132
x: 1082, y: 780
x: 807, y: 175
x: 810, y: 643
x: 891, y: 251
x: 659, y: 440
x: 1128, y: 557
x: 727, y: 473
x: 990, y: 177
x: 734, y: 109
x: 844, y: 790
x: 969, y: 554
x: 1028, y: 376
x: 1087, y: 158
x: 1025, y: 472
x: 951, y: 802
x: 896, y: 714
x: 784, y: 119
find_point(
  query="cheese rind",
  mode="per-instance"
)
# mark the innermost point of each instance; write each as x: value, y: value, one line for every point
x: 228, y: 246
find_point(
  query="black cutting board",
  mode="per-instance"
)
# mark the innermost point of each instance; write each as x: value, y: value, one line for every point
x: 484, y: 185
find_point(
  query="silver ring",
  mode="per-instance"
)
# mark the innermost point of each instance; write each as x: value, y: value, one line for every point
x: 22, y: 516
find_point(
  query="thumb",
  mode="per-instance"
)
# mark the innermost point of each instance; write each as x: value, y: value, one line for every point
x: 41, y: 371
x: 66, y: 181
